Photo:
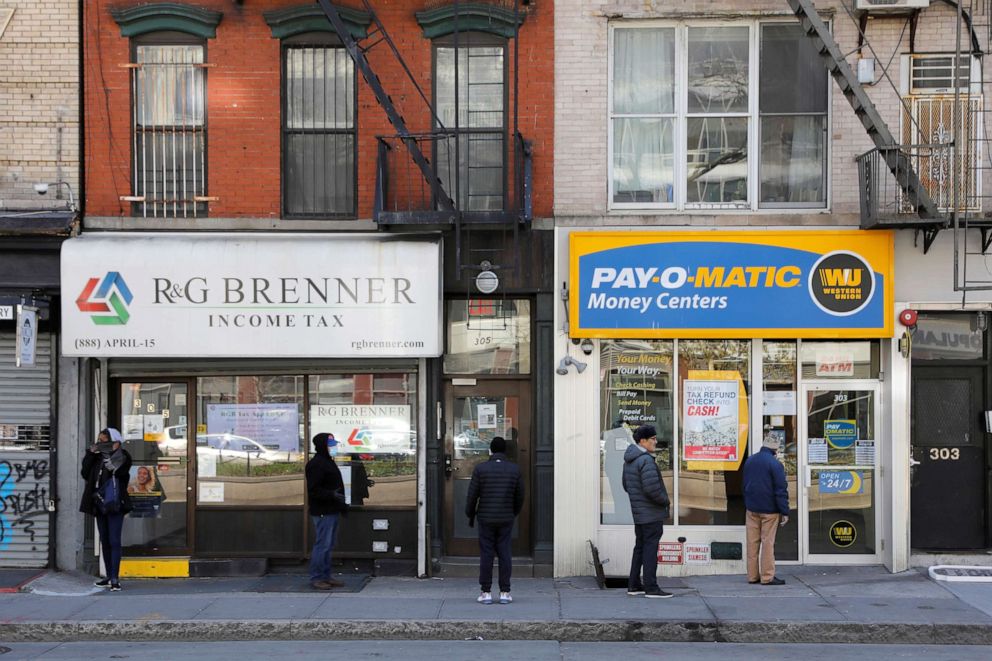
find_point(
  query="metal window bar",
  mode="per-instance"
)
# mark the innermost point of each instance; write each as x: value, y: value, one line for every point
x: 169, y: 135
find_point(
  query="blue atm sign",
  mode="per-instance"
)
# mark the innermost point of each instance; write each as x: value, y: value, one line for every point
x: 731, y: 284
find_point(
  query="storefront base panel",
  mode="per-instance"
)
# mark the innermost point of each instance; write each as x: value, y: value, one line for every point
x: 616, y: 545
x: 155, y: 568
x: 976, y: 559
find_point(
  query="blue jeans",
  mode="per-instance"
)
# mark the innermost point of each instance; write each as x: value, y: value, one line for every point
x: 494, y: 540
x: 645, y: 558
x: 110, y: 527
x: 325, y: 529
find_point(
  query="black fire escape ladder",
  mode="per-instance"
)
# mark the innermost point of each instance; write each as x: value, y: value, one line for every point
x: 357, y: 54
x: 897, y: 161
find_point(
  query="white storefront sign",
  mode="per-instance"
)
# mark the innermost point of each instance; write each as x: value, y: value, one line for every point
x: 264, y: 295
x: 369, y: 429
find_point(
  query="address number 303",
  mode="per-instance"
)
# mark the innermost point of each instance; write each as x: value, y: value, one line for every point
x: 945, y: 454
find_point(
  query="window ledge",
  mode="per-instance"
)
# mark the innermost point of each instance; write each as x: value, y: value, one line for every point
x: 226, y: 224
x: 161, y: 16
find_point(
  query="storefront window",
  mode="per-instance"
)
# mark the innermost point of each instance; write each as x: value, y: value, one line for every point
x: 635, y: 389
x: 778, y: 420
x: 488, y: 336
x: 374, y: 419
x: 841, y: 360
x: 250, y: 448
x: 714, y: 385
x: 949, y: 336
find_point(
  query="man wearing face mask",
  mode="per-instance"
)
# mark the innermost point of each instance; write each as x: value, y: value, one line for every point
x: 106, y: 460
x: 766, y: 499
x: 325, y: 492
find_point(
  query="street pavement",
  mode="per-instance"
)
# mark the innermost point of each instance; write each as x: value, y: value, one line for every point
x: 816, y: 605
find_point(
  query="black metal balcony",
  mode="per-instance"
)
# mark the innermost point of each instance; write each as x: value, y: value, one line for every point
x: 909, y: 187
x: 487, y: 189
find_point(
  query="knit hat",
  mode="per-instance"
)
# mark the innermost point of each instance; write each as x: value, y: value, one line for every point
x: 498, y: 444
x: 646, y: 431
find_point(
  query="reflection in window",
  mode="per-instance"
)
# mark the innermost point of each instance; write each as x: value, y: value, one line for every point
x: 635, y: 390
x: 373, y: 418
x: 488, y: 336
x: 249, y: 440
x: 713, y: 497
x: 779, y: 421
x: 949, y: 336
x: 857, y: 359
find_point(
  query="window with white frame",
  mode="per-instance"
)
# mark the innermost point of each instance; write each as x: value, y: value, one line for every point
x: 716, y: 116
x: 168, y: 86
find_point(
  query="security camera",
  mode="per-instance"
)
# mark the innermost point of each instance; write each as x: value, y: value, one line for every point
x: 41, y: 189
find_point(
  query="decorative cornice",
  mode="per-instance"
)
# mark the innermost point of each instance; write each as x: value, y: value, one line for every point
x: 174, y: 16
x: 472, y: 17
x: 292, y: 21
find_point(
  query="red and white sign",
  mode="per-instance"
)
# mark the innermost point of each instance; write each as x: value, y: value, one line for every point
x: 697, y: 554
x: 670, y: 553
x: 834, y: 364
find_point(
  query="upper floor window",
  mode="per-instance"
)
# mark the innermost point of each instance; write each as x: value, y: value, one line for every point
x: 716, y: 116
x: 168, y: 86
x: 319, y: 128
x: 479, y: 124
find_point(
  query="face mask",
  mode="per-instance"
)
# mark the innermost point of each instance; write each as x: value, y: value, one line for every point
x: 106, y: 447
x: 333, y: 450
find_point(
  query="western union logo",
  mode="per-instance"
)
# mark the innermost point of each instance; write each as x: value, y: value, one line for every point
x: 840, y: 277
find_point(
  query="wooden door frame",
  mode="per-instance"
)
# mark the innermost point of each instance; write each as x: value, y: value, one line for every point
x: 501, y: 387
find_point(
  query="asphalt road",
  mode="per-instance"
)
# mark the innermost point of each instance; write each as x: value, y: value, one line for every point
x: 473, y: 650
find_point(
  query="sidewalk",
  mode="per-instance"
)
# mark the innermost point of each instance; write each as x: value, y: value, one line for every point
x: 817, y: 604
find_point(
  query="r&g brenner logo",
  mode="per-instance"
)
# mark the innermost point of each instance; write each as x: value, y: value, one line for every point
x: 112, y: 299
x: 841, y: 283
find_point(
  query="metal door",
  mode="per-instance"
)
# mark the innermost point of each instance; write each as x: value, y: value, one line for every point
x: 474, y: 415
x: 947, y: 497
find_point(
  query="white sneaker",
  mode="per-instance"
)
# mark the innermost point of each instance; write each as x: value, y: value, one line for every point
x: 505, y: 598
x: 485, y: 598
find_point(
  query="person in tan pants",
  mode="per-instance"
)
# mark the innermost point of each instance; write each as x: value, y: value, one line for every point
x: 766, y: 499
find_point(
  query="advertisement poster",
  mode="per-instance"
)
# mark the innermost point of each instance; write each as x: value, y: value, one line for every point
x: 845, y: 482
x: 710, y: 420
x: 146, y: 492
x: 367, y: 428
x: 154, y: 426
x: 273, y: 426
x: 840, y: 434
x: 639, y: 390
x: 731, y: 284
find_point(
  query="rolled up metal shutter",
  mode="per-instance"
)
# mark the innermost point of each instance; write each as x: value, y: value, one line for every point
x: 25, y: 458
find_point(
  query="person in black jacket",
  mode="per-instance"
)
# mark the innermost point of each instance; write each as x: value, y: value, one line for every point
x: 325, y: 491
x: 104, y: 460
x: 495, y: 498
x: 649, y: 507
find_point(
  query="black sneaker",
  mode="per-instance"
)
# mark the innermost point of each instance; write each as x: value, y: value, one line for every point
x: 635, y: 592
x: 115, y: 587
x: 658, y: 594
x: 102, y: 583
x: 775, y: 581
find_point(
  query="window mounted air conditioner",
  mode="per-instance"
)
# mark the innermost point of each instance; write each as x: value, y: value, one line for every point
x: 890, y: 6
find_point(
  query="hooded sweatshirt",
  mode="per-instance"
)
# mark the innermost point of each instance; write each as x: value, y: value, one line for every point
x: 642, y: 482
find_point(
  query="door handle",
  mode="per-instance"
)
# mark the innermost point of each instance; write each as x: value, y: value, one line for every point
x: 913, y: 462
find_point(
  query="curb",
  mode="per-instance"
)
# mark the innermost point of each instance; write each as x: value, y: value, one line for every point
x: 561, y: 631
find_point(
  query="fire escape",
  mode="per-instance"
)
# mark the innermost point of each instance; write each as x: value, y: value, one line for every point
x: 421, y: 174
x: 933, y: 178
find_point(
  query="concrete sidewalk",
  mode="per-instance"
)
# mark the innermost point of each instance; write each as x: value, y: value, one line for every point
x: 817, y: 604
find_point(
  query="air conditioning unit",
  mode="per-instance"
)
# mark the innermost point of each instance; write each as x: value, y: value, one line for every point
x: 890, y: 6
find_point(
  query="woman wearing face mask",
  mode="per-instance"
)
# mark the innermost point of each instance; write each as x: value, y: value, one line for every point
x: 104, y: 460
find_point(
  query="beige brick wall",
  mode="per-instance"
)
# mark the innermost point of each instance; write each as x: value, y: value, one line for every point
x: 39, y: 101
x: 581, y: 68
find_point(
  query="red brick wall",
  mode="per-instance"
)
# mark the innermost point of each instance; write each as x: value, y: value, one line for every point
x: 243, y: 104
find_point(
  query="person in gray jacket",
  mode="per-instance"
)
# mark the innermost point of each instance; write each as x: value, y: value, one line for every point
x: 649, y: 507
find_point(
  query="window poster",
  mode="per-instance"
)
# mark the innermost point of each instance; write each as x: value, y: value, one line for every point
x: 154, y: 426
x: 487, y: 416
x: 133, y: 427
x: 146, y: 492
x: 639, y: 391
x: 714, y: 419
x: 368, y: 428
x: 273, y: 426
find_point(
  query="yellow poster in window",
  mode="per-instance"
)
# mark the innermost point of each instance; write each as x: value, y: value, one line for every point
x: 703, y: 430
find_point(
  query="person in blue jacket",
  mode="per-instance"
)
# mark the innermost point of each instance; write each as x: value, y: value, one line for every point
x: 766, y: 499
x: 649, y: 507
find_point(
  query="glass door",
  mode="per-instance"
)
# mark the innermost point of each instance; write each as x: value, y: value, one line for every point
x: 475, y: 415
x: 839, y: 449
x: 153, y: 421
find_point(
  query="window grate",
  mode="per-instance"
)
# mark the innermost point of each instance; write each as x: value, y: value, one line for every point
x: 168, y: 89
